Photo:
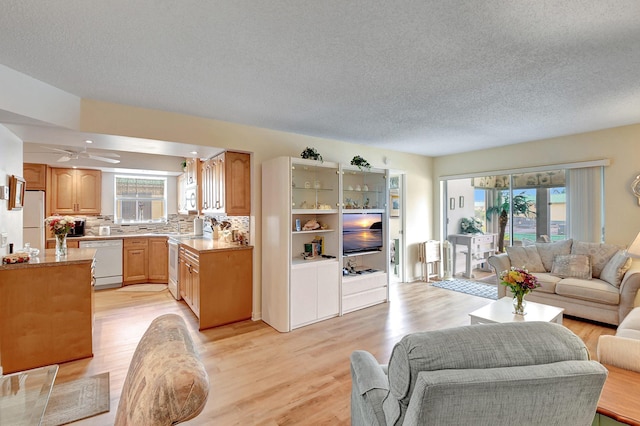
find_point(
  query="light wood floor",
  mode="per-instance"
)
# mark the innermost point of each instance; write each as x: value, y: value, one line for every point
x: 262, y: 377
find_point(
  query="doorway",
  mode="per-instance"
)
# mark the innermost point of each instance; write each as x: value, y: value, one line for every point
x: 396, y: 228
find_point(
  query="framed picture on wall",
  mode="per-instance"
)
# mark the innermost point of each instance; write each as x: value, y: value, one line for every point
x: 395, y: 204
x: 16, y: 192
x: 394, y: 182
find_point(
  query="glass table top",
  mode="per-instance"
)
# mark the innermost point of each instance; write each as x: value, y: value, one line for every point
x: 24, y: 395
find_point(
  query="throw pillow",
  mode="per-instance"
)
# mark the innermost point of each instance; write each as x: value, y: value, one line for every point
x: 615, y: 268
x: 526, y: 257
x: 572, y: 265
x: 548, y: 251
x: 600, y: 254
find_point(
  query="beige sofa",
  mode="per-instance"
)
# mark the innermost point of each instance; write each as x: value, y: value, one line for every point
x: 589, y: 280
x: 623, y: 349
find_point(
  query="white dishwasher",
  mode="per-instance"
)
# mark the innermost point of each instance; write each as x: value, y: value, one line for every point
x: 108, y: 258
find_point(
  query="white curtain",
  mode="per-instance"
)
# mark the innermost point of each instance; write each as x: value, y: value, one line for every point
x: 584, y: 204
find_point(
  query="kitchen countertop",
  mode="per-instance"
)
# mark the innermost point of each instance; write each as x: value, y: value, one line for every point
x: 47, y: 258
x: 196, y: 242
x: 204, y: 245
x: 122, y: 236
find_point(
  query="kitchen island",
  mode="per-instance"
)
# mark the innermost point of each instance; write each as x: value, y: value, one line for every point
x: 216, y: 280
x: 46, y: 310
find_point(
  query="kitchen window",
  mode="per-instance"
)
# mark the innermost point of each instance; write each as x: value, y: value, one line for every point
x: 140, y: 199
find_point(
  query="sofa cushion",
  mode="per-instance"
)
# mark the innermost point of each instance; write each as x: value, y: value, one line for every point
x: 600, y: 254
x: 166, y: 383
x: 615, y: 268
x: 572, y: 266
x: 547, y: 282
x: 526, y: 257
x: 594, y: 290
x: 548, y: 251
x: 630, y: 325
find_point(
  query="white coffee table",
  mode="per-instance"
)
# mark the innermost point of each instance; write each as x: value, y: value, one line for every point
x: 502, y: 311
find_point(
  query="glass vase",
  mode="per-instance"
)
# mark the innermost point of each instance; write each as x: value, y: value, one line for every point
x: 61, y: 245
x: 519, y: 304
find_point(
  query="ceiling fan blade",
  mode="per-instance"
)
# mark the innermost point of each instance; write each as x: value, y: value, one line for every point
x: 105, y: 159
x: 64, y: 159
x: 108, y: 154
x: 64, y: 151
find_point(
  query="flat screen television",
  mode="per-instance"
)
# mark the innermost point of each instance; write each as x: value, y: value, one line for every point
x: 361, y: 232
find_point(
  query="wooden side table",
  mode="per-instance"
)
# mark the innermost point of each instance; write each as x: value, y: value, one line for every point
x: 619, y: 398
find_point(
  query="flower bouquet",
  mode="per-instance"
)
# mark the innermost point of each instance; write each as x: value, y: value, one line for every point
x: 60, y: 226
x: 521, y: 282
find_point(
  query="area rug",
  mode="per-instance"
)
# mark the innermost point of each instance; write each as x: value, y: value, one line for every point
x: 469, y: 287
x: 77, y: 400
x: 143, y: 287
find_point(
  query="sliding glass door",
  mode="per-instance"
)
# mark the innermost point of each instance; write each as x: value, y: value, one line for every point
x: 519, y: 207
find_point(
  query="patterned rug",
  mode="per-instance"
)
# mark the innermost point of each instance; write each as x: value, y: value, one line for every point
x: 474, y: 288
x: 77, y: 400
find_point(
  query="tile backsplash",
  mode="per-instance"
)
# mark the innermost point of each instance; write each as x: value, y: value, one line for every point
x: 175, y: 223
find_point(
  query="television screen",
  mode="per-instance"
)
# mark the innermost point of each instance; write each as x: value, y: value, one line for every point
x: 361, y: 232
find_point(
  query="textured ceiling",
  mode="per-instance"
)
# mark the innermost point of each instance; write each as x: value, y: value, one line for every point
x: 429, y: 77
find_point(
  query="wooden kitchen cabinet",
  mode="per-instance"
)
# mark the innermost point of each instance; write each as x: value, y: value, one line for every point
x: 35, y: 175
x: 191, y: 171
x: 135, y: 268
x: 71, y: 243
x: 46, y: 311
x: 75, y: 191
x: 226, y: 286
x: 190, y: 278
x: 158, y: 260
x: 226, y: 184
x: 217, y: 284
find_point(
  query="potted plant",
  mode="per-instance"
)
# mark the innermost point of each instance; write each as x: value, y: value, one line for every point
x: 520, y: 206
x: 311, y: 154
x: 471, y: 225
x: 184, y: 165
x: 361, y: 163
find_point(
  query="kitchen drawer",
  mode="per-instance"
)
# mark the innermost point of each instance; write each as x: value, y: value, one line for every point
x: 135, y: 242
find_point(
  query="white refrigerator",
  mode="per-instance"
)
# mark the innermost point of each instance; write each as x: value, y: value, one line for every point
x: 33, y: 219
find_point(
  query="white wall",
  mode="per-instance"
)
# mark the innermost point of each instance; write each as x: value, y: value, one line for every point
x: 457, y: 188
x: 24, y: 95
x: 10, y: 164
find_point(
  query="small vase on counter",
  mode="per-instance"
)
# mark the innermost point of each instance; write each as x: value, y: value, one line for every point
x: 61, y: 245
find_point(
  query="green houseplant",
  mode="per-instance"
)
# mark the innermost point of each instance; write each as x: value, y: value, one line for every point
x: 521, y: 206
x: 361, y: 163
x: 311, y: 154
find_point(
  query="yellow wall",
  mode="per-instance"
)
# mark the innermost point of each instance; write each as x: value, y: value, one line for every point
x: 621, y: 145
x: 102, y: 117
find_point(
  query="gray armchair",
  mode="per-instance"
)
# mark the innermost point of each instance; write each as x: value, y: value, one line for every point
x: 534, y: 373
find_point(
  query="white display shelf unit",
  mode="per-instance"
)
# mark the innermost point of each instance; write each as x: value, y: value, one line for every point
x: 298, y: 291
x: 365, y: 192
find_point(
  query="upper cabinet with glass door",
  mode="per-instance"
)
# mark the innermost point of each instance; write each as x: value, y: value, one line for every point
x: 364, y: 190
x: 314, y: 186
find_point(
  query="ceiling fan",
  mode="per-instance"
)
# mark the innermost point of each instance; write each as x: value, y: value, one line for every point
x: 69, y: 155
